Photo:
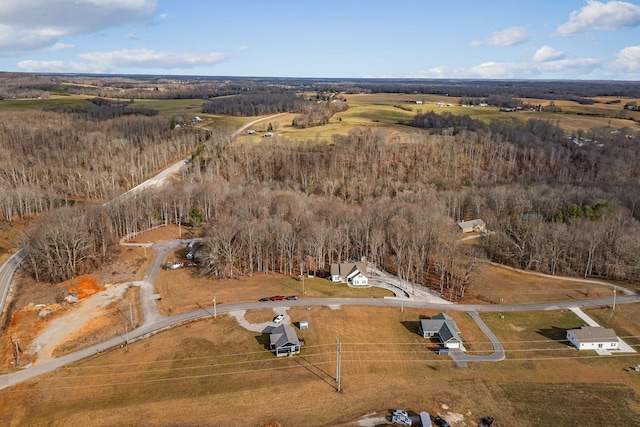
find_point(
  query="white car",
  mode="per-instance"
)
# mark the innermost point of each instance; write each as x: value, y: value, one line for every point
x: 278, y: 318
x: 401, y: 420
x: 400, y: 412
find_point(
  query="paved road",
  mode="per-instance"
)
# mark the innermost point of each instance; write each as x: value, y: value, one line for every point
x: 160, y: 322
x: 7, y: 270
x: 236, y: 133
x: 155, y: 322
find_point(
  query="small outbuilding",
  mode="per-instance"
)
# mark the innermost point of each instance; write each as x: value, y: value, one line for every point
x: 593, y: 338
x: 284, y: 341
x: 303, y: 324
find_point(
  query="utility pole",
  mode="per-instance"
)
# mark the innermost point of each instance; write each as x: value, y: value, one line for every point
x: 16, y: 352
x: 338, y: 362
x: 614, y: 299
x: 215, y: 314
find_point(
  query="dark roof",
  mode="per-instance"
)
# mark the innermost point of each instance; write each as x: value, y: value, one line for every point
x: 283, y: 335
x: 442, y: 325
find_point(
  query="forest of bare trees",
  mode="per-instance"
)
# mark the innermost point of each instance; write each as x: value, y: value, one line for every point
x: 50, y: 159
x: 557, y: 203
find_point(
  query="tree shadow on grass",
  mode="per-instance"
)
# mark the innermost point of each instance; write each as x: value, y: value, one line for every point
x: 556, y: 334
x: 263, y: 339
x: 411, y: 326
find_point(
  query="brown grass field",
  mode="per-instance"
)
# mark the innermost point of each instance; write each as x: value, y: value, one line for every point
x: 215, y: 373
x: 497, y: 285
x: 379, y: 110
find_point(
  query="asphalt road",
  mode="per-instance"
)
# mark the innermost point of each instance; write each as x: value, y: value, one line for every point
x: 155, y: 322
x: 7, y: 270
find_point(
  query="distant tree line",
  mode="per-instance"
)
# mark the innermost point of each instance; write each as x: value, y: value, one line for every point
x: 318, y: 113
x: 103, y: 109
x: 255, y: 104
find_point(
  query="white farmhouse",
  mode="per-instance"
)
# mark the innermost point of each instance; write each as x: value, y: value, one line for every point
x: 353, y: 273
x: 593, y: 338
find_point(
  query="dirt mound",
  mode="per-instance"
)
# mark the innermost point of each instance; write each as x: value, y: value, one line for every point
x: 82, y: 286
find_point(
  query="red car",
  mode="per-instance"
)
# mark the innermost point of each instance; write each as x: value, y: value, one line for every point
x: 277, y: 298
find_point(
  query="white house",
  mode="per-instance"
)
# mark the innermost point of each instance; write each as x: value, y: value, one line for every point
x: 473, y: 225
x: 443, y: 327
x: 593, y: 338
x: 353, y: 273
x: 196, y: 119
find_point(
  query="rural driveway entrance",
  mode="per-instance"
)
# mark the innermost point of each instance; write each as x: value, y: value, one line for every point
x: 461, y: 358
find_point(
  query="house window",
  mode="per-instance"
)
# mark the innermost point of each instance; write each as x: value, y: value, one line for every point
x: 600, y: 345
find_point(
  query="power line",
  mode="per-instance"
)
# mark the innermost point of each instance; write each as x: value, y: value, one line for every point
x: 294, y: 366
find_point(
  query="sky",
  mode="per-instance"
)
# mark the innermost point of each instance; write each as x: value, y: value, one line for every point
x: 453, y: 39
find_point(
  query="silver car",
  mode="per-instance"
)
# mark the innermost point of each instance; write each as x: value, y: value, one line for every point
x: 401, y: 420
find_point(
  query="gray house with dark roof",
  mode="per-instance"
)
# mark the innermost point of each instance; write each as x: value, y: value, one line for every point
x: 443, y: 327
x: 353, y: 273
x: 284, y: 341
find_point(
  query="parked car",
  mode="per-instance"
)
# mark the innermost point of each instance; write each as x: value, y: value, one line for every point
x: 425, y: 419
x: 441, y: 421
x: 401, y: 420
x: 292, y: 297
x: 265, y: 299
x: 278, y: 318
x: 277, y: 298
x: 400, y: 412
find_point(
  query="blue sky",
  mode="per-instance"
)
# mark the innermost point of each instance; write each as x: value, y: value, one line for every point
x: 494, y: 39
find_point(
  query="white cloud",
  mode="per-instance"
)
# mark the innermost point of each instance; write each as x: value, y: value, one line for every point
x: 508, y: 37
x: 61, y: 46
x: 27, y: 25
x: 547, y: 53
x: 578, y: 66
x: 502, y: 70
x: 514, y: 70
x: 147, y: 58
x: 58, y: 67
x: 243, y: 47
x: 121, y: 60
x: 442, y: 72
x: 596, y: 15
x: 132, y: 37
x: 628, y: 60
